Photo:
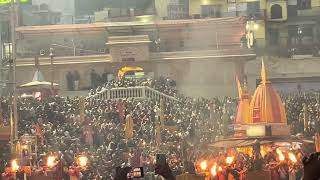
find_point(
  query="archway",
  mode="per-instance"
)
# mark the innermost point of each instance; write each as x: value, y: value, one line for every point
x: 276, y: 11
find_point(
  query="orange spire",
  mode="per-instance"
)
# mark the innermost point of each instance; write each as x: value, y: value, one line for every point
x: 263, y: 73
x: 239, y: 87
x: 266, y: 105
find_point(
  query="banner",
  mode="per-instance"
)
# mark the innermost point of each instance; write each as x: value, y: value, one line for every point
x: 317, y: 142
x: 129, y: 127
x: 9, y: 1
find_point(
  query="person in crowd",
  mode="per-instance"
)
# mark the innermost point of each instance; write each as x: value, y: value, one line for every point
x: 76, y: 81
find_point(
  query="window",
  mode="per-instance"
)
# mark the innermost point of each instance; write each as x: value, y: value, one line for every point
x: 276, y: 11
x: 253, y: 8
x: 210, y: 11
x: 304, y: 4
x: 177, y: 11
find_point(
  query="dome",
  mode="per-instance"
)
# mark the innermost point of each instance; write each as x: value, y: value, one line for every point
x: 266, y: 105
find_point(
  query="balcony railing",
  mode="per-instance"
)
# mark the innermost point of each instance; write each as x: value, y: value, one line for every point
x: 140, y: 92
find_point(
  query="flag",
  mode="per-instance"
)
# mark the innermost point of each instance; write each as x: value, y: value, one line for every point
x: 121, y: 111
x: 11, y: 127
x: 162, y: 112
x: 82, y: 109
x: 1, y: 118
x: 158, y: 134
x: 39, y: 133
x: 263, y: 73
x: 129, y: 127
x: 317, y: 142
x: 36, y: 62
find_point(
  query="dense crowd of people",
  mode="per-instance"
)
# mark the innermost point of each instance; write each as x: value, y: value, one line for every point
x: 99, y: 132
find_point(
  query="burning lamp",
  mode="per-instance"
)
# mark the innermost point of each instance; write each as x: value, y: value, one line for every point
x: 14, y: 165
x: 51, y: 161
x: 292, y: 157
x: 83, y: 161
x: 213, y: 170
x: 280, y: 154
x: 229, y: 160
x: 203, y: 165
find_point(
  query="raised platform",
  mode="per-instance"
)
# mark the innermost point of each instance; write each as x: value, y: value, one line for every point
x: 258, y: 130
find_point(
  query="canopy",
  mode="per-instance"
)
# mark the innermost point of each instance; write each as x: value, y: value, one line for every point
x: 38, y: 84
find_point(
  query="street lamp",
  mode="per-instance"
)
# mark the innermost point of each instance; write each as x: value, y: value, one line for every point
x: 52, y: 72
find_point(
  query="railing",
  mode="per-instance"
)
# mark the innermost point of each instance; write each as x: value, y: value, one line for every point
x: 139, y: 92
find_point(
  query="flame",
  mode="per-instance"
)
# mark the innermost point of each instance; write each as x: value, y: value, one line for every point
x: 214, y: 170
x: 229, y: 159
x: 14, y: 165
x: 280, y: 154
x: 203, y: 165
x: 83, y: 160
x: 51, y: 161
x: 292, y: 157
x: 219, y: 168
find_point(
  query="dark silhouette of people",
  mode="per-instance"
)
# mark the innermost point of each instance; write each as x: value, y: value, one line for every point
x: 76, y: 77
x: 70, y: 83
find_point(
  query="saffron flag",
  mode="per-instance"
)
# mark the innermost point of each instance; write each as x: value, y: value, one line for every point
x: 129, y: 127
x: 317, y: 142
x: 39, y: 133
x: 82, y: 109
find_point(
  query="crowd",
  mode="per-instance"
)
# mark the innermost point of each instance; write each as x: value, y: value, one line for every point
x: 100, y: 133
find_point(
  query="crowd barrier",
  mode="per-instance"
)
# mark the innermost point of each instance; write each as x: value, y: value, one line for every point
x: 142, y: 92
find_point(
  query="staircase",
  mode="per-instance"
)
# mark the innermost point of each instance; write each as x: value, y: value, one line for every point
x: 139, y: 92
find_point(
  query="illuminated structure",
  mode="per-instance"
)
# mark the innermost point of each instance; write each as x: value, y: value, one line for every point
x: 263, y: 114
x: 243, y: 109
x: 266, y: 105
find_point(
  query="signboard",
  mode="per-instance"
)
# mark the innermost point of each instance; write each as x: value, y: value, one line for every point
x: 256, y: 131
x: 9, y: 1
x: 280, y: 130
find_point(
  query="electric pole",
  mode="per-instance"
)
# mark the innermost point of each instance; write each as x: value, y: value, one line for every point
x: 13, y: 19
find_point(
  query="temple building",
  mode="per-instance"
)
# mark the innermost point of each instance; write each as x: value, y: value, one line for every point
x: 266, y: 105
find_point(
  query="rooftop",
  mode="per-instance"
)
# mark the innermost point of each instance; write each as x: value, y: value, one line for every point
x: 106, y: 25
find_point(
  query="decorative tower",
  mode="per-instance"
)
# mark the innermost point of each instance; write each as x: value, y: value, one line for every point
x: 266, y: 106
x: 243, y: 110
